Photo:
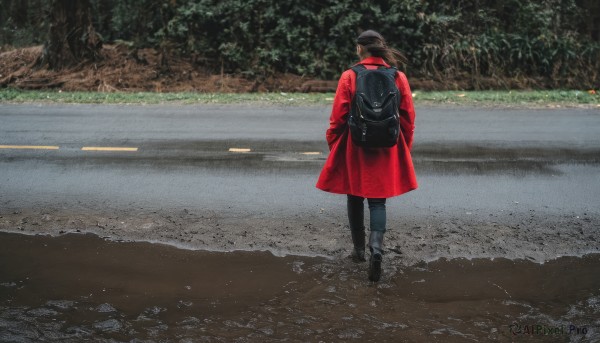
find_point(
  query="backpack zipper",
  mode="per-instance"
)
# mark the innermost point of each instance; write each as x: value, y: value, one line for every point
x: 364, y: 126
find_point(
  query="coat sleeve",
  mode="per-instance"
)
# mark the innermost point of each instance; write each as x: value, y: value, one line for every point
x: 407, y: 110
x: 341, y: 108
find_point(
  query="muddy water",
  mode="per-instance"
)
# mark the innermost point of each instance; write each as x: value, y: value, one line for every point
x: 82, y: 288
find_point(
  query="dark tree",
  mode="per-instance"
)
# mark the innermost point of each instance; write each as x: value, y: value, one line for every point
x: 71, y: 37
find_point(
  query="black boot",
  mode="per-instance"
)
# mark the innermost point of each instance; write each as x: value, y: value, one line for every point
x: 376, y: 247
x: 358, y: 240
x: 356, y: 219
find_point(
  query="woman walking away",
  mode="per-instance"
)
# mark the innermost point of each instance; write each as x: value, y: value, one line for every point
x: 370, y: 137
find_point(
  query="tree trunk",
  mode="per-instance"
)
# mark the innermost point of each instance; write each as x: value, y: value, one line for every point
x: 71, y: 38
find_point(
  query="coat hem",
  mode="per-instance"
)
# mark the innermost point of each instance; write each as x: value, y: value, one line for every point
x: 412, y: 188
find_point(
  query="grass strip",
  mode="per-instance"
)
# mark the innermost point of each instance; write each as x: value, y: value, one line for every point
x: 548, y: 98
x: 551, y: 98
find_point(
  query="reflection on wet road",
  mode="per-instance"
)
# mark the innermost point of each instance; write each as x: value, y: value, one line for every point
x: 83, y: 288
x: 283, y: 155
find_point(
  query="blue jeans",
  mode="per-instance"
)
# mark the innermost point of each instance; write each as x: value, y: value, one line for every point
x: 356, y: 213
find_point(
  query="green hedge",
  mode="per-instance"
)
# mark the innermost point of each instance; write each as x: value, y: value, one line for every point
x: 552, y: 40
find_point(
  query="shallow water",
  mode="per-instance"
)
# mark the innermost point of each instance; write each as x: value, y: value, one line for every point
x: 83, y: 288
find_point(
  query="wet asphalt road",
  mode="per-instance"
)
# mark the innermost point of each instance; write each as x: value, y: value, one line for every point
x: 468, y: 160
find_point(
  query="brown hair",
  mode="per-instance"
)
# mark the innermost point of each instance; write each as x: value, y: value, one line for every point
x: 374, y: 43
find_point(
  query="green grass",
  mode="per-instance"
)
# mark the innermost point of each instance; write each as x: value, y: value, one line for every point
x: 554, y: 98
x: 18, y: 96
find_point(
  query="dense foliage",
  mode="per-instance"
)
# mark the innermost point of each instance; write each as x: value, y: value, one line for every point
x: 555, y: 40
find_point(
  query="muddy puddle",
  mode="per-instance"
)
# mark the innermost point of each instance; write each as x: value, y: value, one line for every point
x: 76, y: 288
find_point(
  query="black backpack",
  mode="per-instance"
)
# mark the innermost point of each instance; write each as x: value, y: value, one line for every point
x: 374, y: 119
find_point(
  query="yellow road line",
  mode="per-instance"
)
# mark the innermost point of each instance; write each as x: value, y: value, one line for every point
x: 107, y: 148
x: 239, y: 150
x: 311, y: 153
x: 37, y: 147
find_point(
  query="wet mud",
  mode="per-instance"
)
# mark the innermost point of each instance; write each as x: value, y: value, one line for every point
x: 80, y: 287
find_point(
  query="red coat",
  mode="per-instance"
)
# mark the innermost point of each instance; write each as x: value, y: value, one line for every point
x: 368, y: 172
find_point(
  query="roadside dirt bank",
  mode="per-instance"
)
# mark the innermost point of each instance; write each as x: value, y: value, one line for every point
x: 123, y: 69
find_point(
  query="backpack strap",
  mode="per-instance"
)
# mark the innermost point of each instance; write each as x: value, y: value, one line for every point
x: 393, y: 70
x: 358, y: 68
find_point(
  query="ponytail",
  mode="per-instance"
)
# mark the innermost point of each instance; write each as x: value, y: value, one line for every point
x: 374, y: 43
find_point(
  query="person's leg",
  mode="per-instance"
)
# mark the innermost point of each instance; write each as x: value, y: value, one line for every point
x: 356, y: 219
x: 378, y: 223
